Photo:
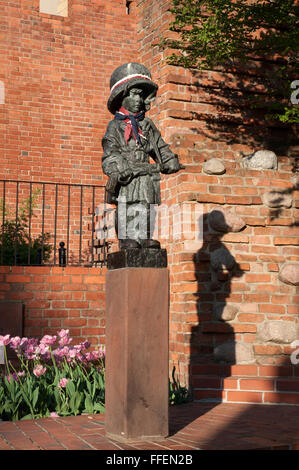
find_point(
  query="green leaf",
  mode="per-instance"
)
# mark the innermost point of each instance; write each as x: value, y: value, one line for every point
x: 88, y: 404
x: 27, y: 417
x: 101, y: 382
x: 75, y: 402
x: 35, y: 397
x: 88, y: 384
x: 26, y: 399
x: 70, y: 388
x: 99, y: 407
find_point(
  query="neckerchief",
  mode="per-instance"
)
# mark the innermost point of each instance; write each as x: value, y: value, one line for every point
x: 132, y: 127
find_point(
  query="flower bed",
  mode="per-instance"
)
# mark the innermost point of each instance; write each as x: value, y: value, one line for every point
x: 53, y: 378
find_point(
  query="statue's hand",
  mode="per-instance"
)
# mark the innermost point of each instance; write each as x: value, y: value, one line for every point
x: 173, y: 166
x: 125, y: 176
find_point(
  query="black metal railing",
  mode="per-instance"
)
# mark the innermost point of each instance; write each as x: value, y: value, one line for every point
x: 51, y: 223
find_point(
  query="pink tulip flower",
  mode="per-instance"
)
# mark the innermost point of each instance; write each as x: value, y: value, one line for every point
x: 39, y: 370
x: 13, y: 375
x: 15, y: 342
x: 62, y: 382
x: 72, y: 353
x: 48, y: 340
x: 62, y: 333
x: 65, y: 340
x: 4, y: 340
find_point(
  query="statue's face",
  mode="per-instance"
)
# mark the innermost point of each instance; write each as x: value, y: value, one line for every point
x: 134, y: 101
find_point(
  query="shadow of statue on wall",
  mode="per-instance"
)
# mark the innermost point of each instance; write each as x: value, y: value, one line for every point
x: 213, y: 340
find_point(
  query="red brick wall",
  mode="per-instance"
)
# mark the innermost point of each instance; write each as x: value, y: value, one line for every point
x: 56, y: 72
x: 71, y: 298
x: 205, y: 115
x: 56, y: 75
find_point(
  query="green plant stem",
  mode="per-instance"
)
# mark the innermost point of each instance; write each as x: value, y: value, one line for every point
x: 6, y: 361
x: 54, y: 363
x: 69, y: 369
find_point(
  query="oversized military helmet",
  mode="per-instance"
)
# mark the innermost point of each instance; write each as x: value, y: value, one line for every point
x: 129, y: 76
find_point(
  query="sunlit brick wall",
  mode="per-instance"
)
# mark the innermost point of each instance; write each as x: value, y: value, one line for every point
x: 55, y: 75
x: 70, y: 298
x: 54, y: 86
x: 222, y: 323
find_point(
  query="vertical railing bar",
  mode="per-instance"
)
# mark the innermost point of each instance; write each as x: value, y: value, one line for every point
x: 30, y: 213
x: 68, y: 223
x: 80, y: 241
x: 55, y: 222
x: 17, y: 215
x: 43, y: 223
x: 3, y: 220
x: 92, y: 225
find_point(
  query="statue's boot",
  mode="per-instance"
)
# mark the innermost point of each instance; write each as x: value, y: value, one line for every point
x: 128, y: 243
x: 150, y: 243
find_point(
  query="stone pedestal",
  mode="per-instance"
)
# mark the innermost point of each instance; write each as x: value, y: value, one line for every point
x: 137, y: 258
x: 137, y: 353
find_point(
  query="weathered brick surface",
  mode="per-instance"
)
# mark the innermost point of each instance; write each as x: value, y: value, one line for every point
x: 56, y: 72
x: 193, y: 426
x: 51, y: 303
x: 205, y: 115
x: 56, y: 75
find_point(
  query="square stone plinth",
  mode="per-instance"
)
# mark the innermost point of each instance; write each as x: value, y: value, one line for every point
x: 137, y: 258
x: 137, y: 353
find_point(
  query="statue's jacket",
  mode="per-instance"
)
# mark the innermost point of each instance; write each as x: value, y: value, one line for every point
x: 143, y: 182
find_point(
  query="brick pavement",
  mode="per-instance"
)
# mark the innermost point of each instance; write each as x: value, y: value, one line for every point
x: 193, y: 426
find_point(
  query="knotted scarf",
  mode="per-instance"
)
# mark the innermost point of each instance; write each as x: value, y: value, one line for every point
x: 131, y: 120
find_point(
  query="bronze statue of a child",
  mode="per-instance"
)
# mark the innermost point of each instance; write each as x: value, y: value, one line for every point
x: 130, y: 141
